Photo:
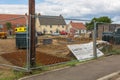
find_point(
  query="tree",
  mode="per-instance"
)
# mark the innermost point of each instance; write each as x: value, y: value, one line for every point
x: 9, y: 27
x: 104, y: 19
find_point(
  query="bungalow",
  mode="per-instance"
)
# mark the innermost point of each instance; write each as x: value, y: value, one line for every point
x: 76, y: 27
x: 49, y: 24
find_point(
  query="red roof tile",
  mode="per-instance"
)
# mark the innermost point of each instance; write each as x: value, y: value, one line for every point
x: 7, y: 17
x: 77, y: 25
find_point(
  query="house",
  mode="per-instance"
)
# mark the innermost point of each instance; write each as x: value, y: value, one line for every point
x: 49, y: 24
x: 76, y: 27
x: 44, y: 24
x: 14, y: 20
x: 106, y: 28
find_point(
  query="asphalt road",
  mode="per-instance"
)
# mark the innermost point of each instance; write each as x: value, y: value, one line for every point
x: 88, y: 71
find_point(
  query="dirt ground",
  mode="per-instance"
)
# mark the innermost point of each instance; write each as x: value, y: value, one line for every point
x: 19, y: 59
x: 57, y: 48
x: 59, y: 45
x: 7, y: 45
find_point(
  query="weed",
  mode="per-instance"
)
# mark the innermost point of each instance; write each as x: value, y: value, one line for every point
x: 115, y: 51
x: 7, y: 78
x: 72, y: 63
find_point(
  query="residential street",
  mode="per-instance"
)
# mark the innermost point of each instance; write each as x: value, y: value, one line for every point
x: 91, y: 70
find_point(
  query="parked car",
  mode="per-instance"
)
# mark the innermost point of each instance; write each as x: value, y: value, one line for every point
x: 55, y: 34
x: 39, y: 33
x: 63, y: 33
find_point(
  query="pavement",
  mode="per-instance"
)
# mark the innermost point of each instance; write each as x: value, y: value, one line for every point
x: 91, y: 70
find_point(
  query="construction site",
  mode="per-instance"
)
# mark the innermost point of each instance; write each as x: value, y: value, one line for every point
x: 33, y: 42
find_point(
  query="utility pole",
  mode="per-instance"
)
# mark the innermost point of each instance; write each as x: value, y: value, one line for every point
x: 32, y: 33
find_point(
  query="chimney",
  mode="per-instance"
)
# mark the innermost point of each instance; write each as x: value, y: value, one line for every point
x: 70, y: 21
x: 39, y: 14
x: 60, y: 15
x: 25, y: 14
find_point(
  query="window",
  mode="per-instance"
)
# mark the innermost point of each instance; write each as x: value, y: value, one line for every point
x: 62, y: 26
x: 18, y: 25
x: 51, y: 31
x: 81, y: 31
x: 44, y: 31
x: 57, y: 30
x: 1, y: 26
x: 84, y: 31
x: 50, y: 26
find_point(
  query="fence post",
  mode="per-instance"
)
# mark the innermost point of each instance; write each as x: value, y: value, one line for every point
x: 94, y: 41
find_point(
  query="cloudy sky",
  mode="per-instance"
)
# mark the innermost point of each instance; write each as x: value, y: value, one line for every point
x: 82, y: 9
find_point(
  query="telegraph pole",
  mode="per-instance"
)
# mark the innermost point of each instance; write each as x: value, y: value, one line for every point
x: 32, y: 32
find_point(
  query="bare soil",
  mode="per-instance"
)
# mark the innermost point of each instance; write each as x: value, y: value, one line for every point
x: 19, y: 59
x: 59, y: 46
x: 7, y: 45
x: 46, y: 54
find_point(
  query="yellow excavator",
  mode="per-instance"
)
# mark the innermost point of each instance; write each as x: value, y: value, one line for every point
x: 3, y: 35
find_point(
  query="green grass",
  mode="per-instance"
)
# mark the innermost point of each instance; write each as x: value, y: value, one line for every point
x: 73, y: 63
x: 115, y: 52
x: 1, y: 73
x: 7, y: 78
x: 15, y: 75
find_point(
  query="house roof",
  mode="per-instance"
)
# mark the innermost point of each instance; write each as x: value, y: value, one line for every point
x: 77, y: 25
x: 8, y: 17
x: 51, y: 20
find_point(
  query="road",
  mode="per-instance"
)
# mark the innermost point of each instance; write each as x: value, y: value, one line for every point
x: 91, y: 70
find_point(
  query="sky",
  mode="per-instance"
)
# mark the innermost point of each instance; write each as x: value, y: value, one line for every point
x: 81, y: 9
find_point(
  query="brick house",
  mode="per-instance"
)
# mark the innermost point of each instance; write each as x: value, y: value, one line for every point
x: 106, y: 28
x: 11, y: 18
x: 77, y: 27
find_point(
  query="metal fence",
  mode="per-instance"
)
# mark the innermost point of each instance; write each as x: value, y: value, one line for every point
x: 51, y: 42
x: 14, y: 48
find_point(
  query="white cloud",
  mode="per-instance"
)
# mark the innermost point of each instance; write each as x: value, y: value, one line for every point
x: 116, y: 19
x: 81, y: 8
x: 13, y: 9
x: 70, y: 8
